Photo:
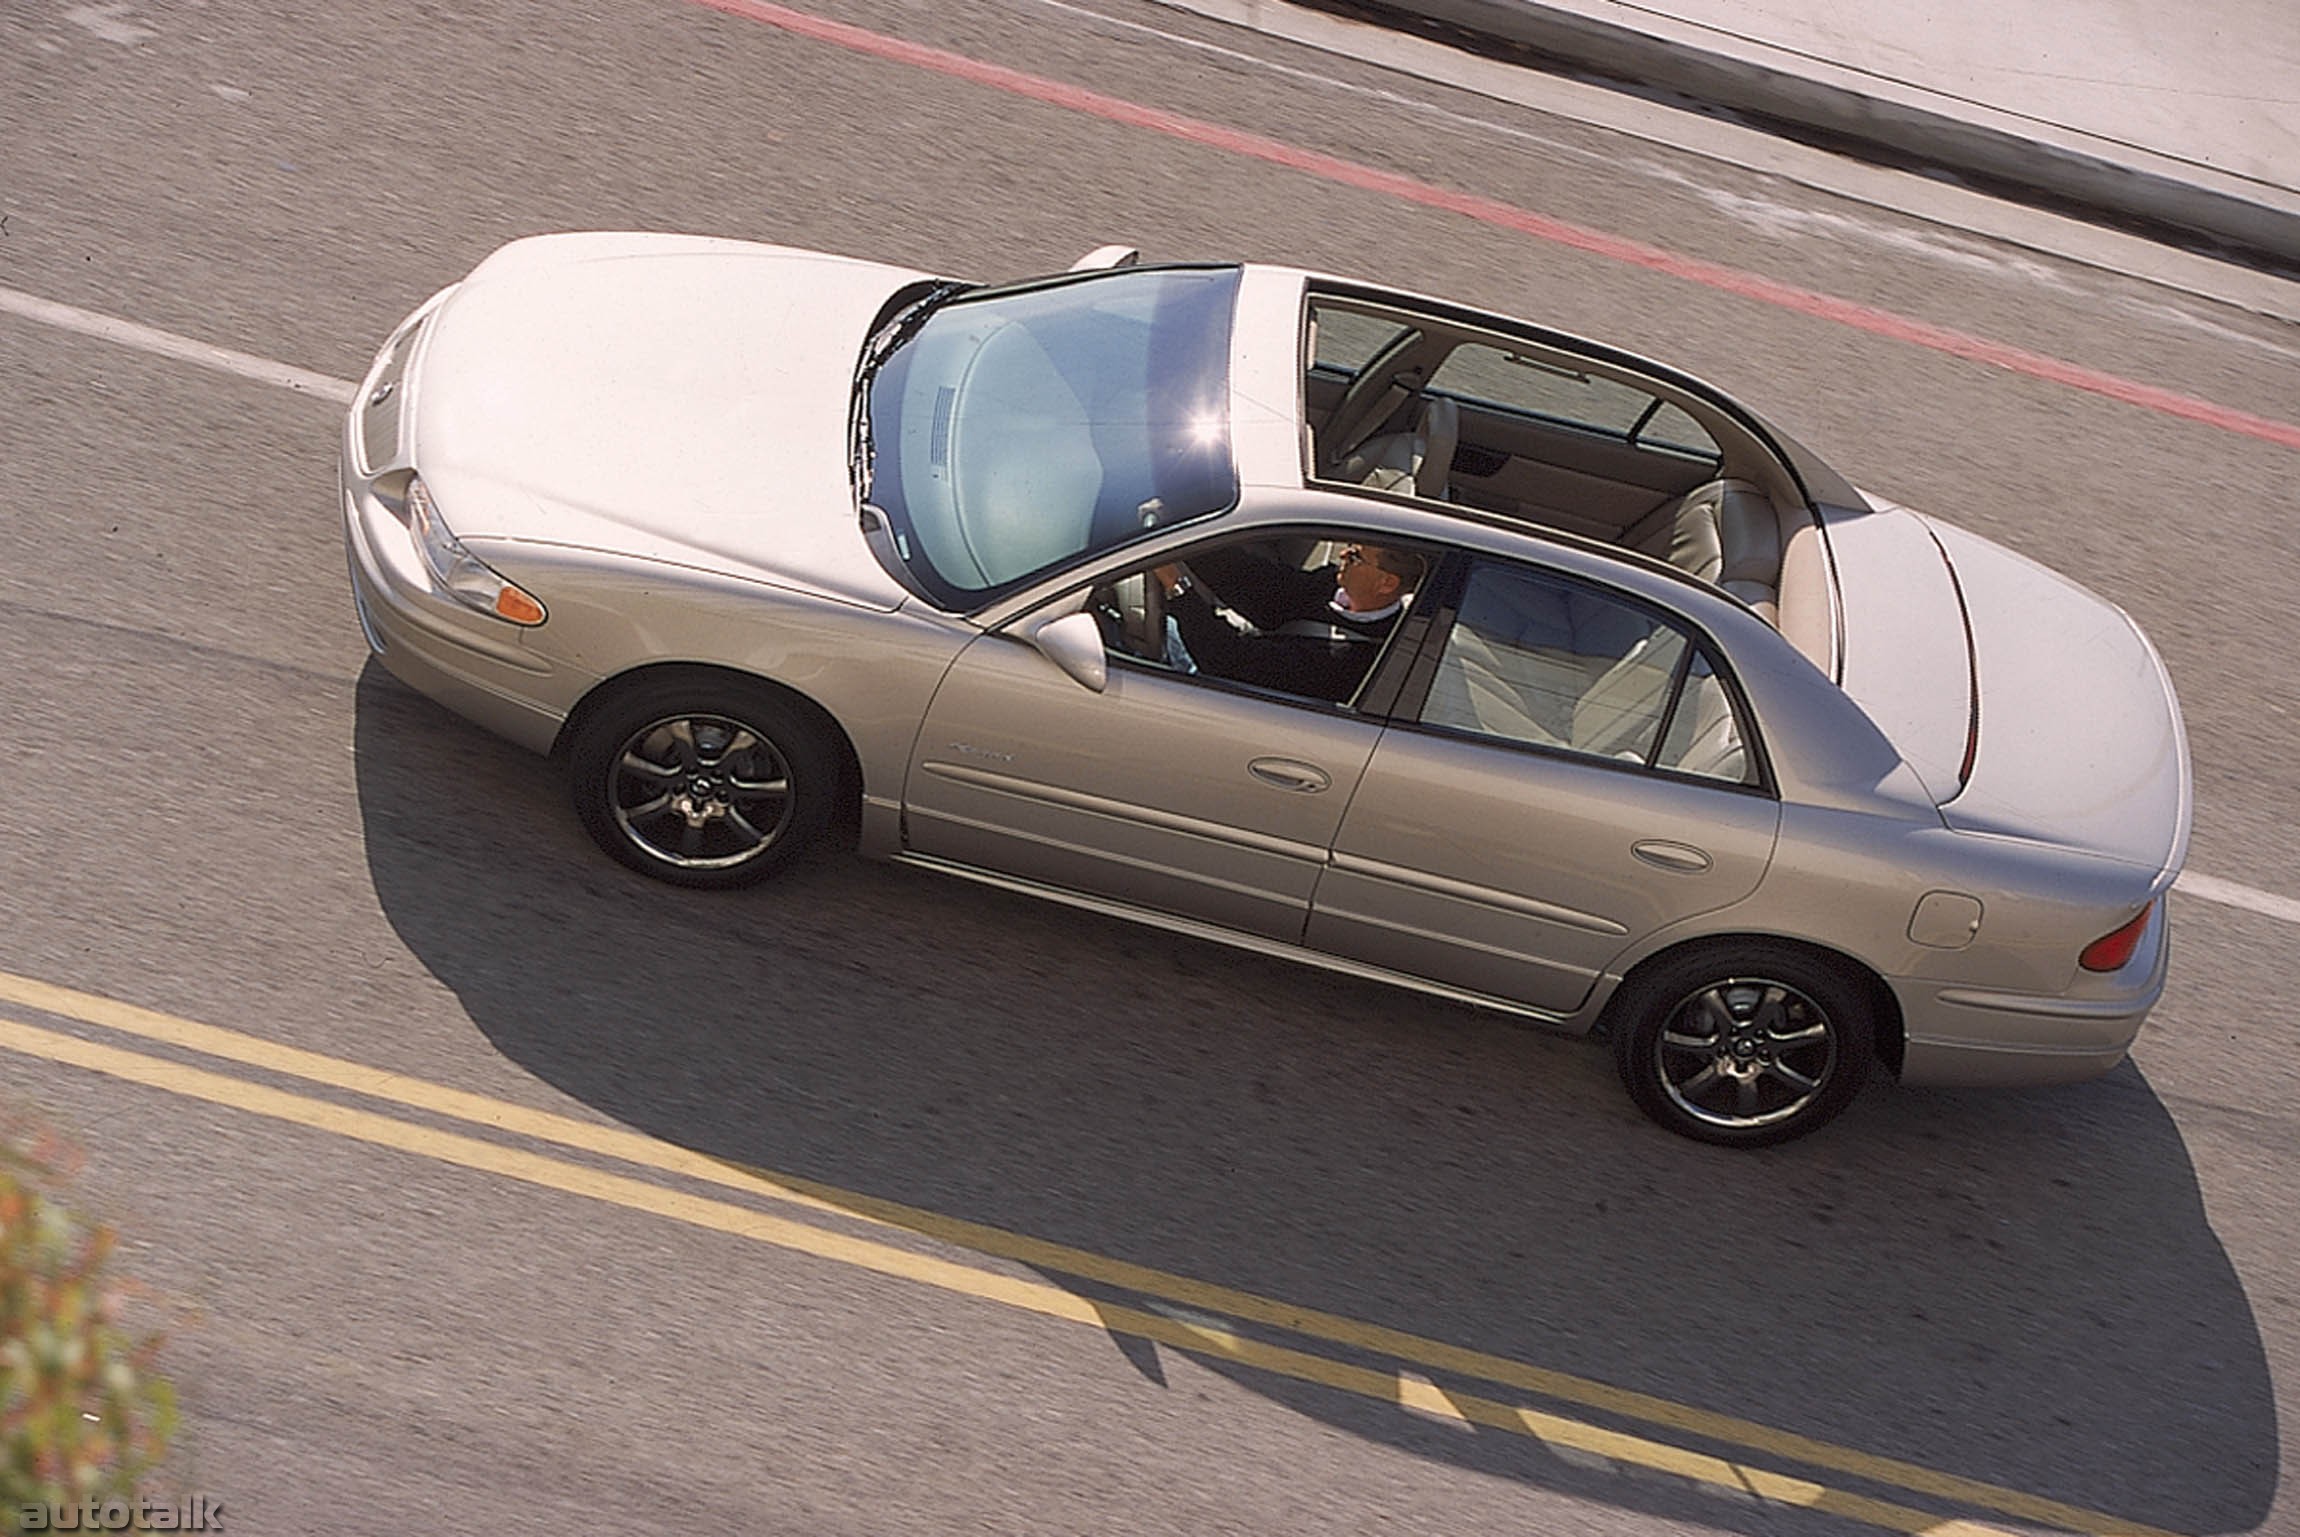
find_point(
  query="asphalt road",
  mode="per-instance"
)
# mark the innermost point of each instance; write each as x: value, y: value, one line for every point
x: 1078, y: 1228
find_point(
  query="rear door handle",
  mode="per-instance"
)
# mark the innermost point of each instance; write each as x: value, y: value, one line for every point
x: 1682, y: 857
x: 1286, y: 774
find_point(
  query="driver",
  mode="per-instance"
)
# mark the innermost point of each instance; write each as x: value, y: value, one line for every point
x: 1320, y: 629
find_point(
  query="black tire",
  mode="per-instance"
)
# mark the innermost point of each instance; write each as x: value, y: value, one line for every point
x: 711, y: 782
x: 1743, y: 1043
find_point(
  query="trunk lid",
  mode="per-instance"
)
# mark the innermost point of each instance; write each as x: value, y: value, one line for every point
x: 2080, y: 740
x: 2030, y: 707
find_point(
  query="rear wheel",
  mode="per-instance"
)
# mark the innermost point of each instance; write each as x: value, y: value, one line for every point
x: 1743, y: 1044
x: 708, y: 782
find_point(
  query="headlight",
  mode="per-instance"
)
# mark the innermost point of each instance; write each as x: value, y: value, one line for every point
x: 459, y: 573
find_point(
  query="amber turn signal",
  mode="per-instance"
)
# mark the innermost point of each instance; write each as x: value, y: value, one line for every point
x: 517, y: 606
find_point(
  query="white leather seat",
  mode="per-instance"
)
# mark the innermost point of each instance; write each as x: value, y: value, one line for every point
x: 1523, y: 654
x: 1726, y: 532
x: 1704, y: 738
x: 1619, y: 714
x: 1515, y: 695
x: 1731, y: 533
x: 1417, y: 463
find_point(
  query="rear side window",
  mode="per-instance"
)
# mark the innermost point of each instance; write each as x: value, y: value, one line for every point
x: 1542, y: 661
x: 1704, y: 736
x: 1668, y: 427
x: 1511, y: 381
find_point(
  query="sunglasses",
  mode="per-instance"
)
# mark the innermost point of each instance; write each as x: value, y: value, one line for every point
x: 1351, y: 555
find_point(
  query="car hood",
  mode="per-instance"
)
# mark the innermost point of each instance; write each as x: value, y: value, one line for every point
x: 2030, y: 707
x: 665, y: 397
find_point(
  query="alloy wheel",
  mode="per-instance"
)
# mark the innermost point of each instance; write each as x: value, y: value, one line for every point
x: 1746, y: 1052
x: 700, y: 792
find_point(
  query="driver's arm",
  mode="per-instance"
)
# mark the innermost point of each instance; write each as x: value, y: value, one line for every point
x: 1266, y: 590
x: 1221, y: 651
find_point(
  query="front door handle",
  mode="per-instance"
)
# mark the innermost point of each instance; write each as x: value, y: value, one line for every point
x: 1286, y: 774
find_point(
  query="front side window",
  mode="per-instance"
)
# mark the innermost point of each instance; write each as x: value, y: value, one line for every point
x: 1019, y: 431
x: 1538, y: 659
x: 1344, y: 341
x: 1308, y: 614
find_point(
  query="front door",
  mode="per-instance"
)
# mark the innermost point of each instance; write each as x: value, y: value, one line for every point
x: 1165, y: 790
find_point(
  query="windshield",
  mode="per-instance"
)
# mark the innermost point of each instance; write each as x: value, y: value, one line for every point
x: 1017, y: 432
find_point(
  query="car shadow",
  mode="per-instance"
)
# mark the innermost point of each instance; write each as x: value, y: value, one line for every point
x: 2020, y: 1289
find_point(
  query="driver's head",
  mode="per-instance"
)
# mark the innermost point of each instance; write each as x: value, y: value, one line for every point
x: 1373, y: 576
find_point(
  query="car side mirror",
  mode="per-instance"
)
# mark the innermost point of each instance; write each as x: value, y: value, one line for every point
x: 1074, y: 644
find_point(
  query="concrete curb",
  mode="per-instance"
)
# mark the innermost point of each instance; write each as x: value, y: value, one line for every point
x: 2062, y: 165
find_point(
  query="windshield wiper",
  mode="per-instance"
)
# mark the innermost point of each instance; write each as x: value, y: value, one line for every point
x: 884, y: 343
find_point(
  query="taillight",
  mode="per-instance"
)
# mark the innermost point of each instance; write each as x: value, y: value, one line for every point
x: 2113, y: 949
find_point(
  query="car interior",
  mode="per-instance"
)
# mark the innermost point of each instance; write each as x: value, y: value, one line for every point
x: 1533, y: 659
x: 1527, y: 658
x: 1407, y: 404
x: 1132, y: 610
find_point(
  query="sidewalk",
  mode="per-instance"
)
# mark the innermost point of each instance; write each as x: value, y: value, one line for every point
x: 2183, y: 115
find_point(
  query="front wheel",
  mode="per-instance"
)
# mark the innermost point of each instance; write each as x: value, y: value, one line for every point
x: 1743, y: 1044
x: 709, y: 782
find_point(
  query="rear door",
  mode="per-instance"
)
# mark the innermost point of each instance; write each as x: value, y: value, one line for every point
x: 1572, y: 772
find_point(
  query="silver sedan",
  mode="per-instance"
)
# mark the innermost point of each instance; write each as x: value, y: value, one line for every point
x: 1338, y: 623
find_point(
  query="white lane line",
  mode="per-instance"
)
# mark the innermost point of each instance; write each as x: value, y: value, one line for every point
x: 168, y: 344
x: 2253, y: 900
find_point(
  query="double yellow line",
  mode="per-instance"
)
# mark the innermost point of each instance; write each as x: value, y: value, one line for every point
x: 1206, y: 1337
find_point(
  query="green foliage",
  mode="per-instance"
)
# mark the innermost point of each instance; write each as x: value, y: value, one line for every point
x: 82, y: 1414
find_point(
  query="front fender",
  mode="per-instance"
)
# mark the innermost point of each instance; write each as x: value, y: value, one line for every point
x: 871, y: 671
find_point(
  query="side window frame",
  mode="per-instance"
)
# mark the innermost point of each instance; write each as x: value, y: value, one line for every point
x: 1420, y: 673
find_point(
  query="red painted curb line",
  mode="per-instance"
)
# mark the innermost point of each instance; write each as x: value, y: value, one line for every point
x: 1485, y: 210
